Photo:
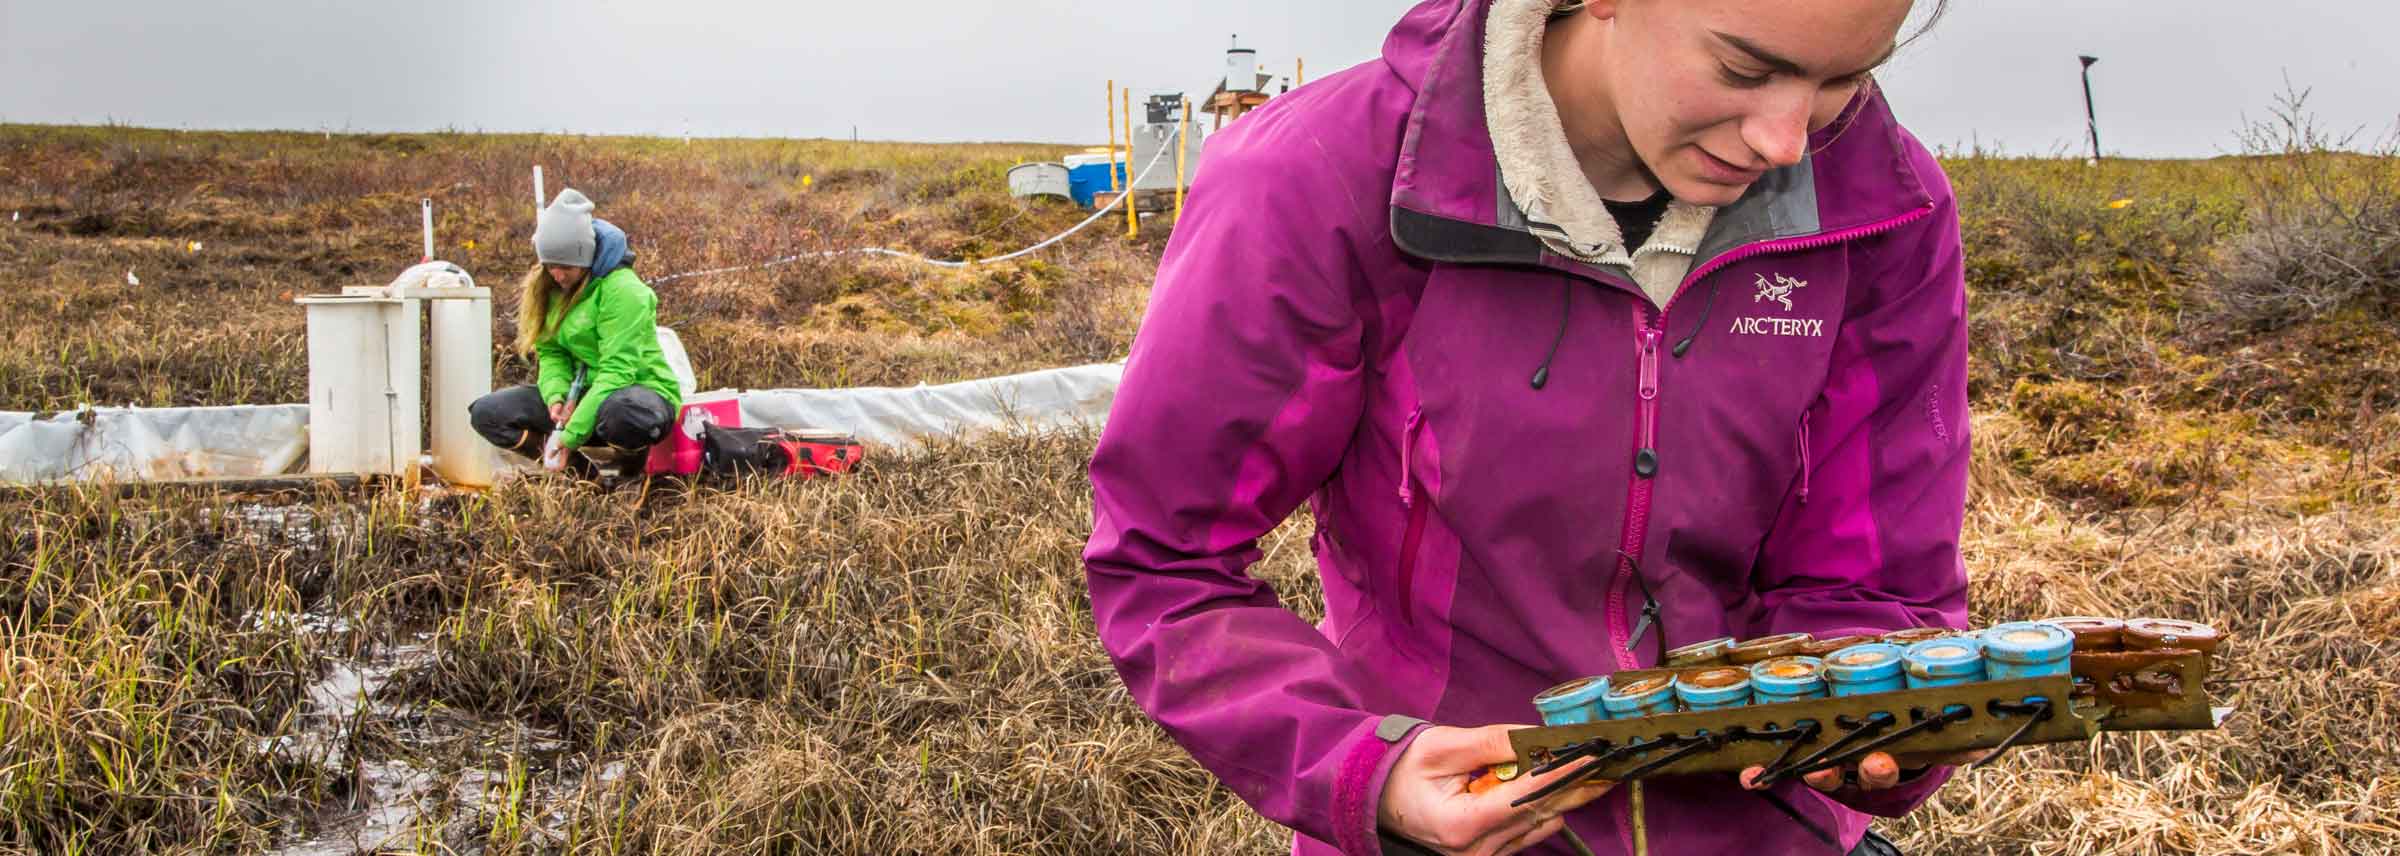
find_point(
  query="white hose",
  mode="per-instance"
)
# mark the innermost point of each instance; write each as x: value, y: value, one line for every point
x: 882, y: 251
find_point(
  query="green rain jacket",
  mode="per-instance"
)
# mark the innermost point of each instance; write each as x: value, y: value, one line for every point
x: 612, y: 329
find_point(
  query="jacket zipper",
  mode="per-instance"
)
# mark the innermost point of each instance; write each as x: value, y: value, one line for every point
x: 1637, y: 506
x: 1415, y: 534
x: 1804, y: 458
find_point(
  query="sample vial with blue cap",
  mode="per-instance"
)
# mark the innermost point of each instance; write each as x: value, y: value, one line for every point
x: 1713, y: 689
x: 2027, y: 649
x: 1945, y: 662
x: 1639, y: 697
x: 1573, y: 703
x: 1914, y: 635
x: 1706, y: 653
x: 1873, y: 667
x: 1787, y: 679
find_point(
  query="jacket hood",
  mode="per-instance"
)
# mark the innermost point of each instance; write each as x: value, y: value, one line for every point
x: 609, y: 249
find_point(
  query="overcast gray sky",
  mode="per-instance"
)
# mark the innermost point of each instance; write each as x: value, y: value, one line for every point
x: 2176, y: 76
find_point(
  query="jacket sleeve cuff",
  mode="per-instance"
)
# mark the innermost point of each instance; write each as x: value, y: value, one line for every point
x: 1358, y: 794
x: 1914, y: 789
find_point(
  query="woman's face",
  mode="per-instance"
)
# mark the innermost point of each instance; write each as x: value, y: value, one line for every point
x: 567, y: 276
x: 1713, y: 93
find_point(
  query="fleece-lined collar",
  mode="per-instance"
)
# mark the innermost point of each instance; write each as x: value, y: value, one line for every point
x: 1536, y: 164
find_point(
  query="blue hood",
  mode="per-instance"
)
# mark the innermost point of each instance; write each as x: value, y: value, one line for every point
x: 609, y: 249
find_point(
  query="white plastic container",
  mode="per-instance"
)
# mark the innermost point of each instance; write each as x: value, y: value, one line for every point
x: 1038, y: 179
x: 461, y: 371
x: 363, y: 390
x: 1241, y: 70
x: 348, y: 349
x: 1149, y: 139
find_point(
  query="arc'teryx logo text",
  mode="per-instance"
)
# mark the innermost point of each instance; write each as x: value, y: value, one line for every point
x: 1779, y: 326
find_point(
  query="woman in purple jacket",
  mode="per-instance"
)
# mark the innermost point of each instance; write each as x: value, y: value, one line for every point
x: 1584, y: 330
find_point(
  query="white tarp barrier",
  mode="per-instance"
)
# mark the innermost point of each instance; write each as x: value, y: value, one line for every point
x: 151, y: 444
x: 679, y: 362
x: 1043, y: 400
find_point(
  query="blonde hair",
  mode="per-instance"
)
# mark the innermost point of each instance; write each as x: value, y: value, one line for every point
x: 535, y: 293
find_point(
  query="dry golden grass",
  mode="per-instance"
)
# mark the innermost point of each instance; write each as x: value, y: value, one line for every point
x: 274, y: 215
x: 902, y: 662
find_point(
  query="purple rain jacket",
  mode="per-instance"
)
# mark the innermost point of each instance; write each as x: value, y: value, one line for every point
x: 1350, y: 315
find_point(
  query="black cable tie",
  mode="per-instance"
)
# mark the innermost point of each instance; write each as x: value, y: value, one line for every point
x: 1935, y: 722
x: 2040, y: 712
x: 1875, y: 722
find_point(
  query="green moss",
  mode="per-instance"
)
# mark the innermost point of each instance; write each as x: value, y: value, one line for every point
x: 2163, y: 461
x: 2078, y: 415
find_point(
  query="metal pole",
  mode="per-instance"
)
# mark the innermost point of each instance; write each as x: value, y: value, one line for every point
x: 2091, y: 115
x: 427, y: 206
x: 538, y: 200
x: 1133, y: 221
x: 1112, y: 138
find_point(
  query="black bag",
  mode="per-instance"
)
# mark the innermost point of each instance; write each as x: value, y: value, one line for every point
x: 737, y: 451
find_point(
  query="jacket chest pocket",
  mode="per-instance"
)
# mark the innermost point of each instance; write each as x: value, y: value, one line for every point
x: 1491, y: 467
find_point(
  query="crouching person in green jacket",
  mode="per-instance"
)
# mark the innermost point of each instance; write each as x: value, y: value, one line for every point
x: 592, y: 326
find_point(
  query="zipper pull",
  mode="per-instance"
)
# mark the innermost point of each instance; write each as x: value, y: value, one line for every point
x: 1645, y: 459
x: 1408, y: 454
x: 1642, y: 628
x: 1649, y: 365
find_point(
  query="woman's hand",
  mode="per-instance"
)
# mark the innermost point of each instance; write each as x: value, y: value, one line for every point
x: 554, y: 456
x: 1426, y: 798
x: 1875, y: 772
x: 560, y: 412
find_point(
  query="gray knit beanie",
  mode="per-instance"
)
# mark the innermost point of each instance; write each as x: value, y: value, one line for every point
x: 562, y: 235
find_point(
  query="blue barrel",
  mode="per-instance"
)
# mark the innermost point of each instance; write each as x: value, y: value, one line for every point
x: 1863, y: 669
x: 2027, y: 649
x: 1713, y: 689
x: 1787, y: 679
x: 1573, y: 703
x: 1644, y: 697
x: 1943, y: 662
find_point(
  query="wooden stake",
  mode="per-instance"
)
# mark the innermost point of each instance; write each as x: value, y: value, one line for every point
x: 1183, y: 144
x: 1133, y: 221
x: 1112, y: 137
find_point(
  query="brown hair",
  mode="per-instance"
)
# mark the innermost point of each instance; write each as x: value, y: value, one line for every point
x: 535, y: 293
